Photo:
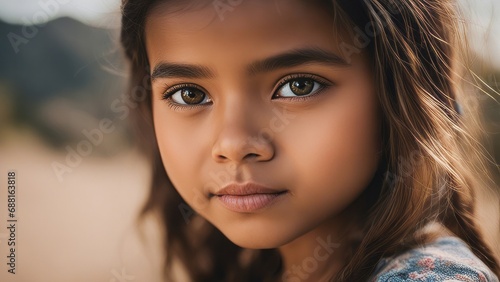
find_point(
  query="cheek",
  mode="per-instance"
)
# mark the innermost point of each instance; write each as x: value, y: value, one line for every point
x: 338, y: 156
x: 181, y: 151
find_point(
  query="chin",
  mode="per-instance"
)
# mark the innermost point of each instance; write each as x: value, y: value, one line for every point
x: 258, y: 239
x: 255, y: 243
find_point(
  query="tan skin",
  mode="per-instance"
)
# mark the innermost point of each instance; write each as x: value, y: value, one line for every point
x: 322, y: 149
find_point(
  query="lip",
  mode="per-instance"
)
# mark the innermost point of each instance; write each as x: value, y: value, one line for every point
x: 247, y: 197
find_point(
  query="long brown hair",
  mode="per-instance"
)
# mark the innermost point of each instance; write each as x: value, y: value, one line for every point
x: 431, y: 158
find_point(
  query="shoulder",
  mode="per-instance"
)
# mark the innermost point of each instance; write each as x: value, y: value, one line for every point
x: 445, y: 259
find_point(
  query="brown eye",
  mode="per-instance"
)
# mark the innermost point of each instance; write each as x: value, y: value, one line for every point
x: 188, y: 96
x: 301, y: 86
x: 192, y: 96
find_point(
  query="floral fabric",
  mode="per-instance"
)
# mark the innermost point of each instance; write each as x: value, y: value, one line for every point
x: 446, y: 259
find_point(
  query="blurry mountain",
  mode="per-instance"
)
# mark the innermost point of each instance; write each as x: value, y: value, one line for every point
x: 490, y: 107
x: 60, y: 77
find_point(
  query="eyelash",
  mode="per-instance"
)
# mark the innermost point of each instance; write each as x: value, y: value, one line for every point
x: 287, y: 79
x: 171, y: 90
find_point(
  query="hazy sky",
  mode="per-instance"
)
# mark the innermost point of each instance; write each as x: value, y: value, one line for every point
x: 484, y: 28
x: 483, y: 16
x: 104, y: 13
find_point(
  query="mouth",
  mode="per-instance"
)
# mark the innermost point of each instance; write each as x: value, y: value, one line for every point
x: 248, y: 197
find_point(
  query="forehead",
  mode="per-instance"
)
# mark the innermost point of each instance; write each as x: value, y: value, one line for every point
x: 219, y: 7
x: 238, y: 29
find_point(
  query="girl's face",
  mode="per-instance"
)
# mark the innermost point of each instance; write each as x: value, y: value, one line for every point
x: 260, y: 92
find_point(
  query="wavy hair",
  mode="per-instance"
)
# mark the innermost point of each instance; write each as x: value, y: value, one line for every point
x: 432, y: 159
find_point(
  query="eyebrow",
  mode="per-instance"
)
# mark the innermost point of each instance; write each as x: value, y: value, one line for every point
x: 169, y: 70
x: 291, y: 58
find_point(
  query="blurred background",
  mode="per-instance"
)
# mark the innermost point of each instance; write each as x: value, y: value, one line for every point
x: 64, y: 130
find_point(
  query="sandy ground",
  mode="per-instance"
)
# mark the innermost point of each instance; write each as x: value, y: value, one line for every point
x: 80, y: 229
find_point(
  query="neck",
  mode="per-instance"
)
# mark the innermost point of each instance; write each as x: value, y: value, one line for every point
x: 317, y: 255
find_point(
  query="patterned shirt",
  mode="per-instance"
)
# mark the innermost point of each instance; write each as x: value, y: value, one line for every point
x: 446, y: 259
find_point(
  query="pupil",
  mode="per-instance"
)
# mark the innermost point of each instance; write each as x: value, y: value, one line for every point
x: 300, y: 84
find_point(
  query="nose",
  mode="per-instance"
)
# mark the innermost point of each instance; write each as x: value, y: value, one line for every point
x: 243, y: 138
x: 237, y: 149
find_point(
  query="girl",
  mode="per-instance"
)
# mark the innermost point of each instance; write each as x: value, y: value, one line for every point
x: 307, y: 140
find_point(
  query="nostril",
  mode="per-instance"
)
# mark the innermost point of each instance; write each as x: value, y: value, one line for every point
x: 227, y: 150
x: 252, y: 155
x: 222, y: 157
